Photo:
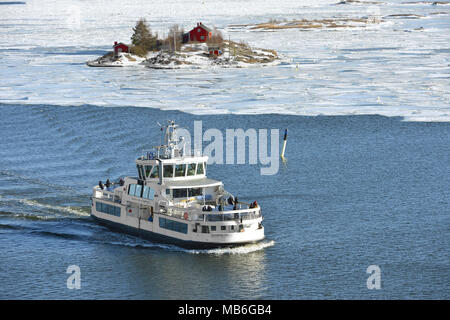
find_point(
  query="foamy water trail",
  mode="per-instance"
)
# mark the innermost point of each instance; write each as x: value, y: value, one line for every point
x: 27, y: 216
x: 71, y: 210
x: 245, y: 249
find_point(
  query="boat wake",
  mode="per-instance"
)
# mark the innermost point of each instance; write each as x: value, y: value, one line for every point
x: 245, y: 249
x: 139, y: 243
x: 26, y: 216
x: 71, y: 210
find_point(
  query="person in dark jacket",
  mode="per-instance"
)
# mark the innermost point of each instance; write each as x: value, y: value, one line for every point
x: 108, y: 185
x: 236, y: 200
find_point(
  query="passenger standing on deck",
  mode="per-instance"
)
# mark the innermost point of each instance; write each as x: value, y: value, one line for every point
x: 108, y: 185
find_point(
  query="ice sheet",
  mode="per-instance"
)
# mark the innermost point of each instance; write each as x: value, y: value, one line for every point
x: 398, y: 67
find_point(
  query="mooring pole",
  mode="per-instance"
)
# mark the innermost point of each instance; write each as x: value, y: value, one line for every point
x: 284, y: 145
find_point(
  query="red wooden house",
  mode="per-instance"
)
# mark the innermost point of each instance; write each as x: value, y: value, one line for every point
x: 200, y: 33
x: 120, y: 47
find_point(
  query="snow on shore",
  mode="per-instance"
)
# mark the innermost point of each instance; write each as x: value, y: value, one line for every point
x: 194, y: 56
x: 122, y: 60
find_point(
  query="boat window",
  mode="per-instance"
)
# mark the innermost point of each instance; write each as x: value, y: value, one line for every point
x: 148, y: 169
x: 168, y: 171
x: 213, y: 228
x: 200, y: 169
x: 155, y: 172
x: 106, y: 208
x: 148, y: 193
x: 167, y: 191
x: 131, y: 189
x: 180, y: 170
x: 223, y: 228
x: 138, y: 191
x: 191, y: 169
x: 145, y: 192
x: 179, y: 193
x: 194, y: 192
x: 173, y: 225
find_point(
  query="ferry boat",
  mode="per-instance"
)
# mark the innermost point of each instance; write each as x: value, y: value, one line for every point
x: 173, y: 201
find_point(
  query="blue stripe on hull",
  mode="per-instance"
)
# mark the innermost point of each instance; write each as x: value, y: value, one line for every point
x: 156, y: 237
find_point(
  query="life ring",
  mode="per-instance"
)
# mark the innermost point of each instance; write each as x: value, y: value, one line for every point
x: 186, y: 216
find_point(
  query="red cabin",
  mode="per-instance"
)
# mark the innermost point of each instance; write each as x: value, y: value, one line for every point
x: 200, y: 33
x: 214, y: 51
x: 120, y: 47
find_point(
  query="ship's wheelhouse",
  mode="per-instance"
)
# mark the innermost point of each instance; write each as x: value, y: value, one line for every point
x: 173, y: 169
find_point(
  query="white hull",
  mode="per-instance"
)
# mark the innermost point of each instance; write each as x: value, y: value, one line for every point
x: 253, y: 230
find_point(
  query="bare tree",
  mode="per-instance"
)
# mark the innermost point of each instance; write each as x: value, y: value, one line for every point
x: 174, y: 38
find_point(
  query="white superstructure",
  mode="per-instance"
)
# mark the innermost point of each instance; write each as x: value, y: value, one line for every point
x: 173, y: 201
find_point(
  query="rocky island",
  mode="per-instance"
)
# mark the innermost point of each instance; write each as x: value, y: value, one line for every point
x: 201, y: 47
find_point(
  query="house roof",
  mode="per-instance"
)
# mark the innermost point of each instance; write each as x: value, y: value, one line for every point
x: 201, y: 25
x: 120, y: 44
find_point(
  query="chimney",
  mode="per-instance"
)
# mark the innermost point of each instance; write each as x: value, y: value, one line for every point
x: 115, y: 43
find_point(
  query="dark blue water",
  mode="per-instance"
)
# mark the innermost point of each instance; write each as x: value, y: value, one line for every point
x: 356, y: 191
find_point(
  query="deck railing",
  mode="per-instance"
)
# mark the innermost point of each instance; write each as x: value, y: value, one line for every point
x: 106, y: 195
x: 197, y: 215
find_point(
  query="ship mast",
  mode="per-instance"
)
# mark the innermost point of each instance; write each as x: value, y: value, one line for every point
x: 171, y: 147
